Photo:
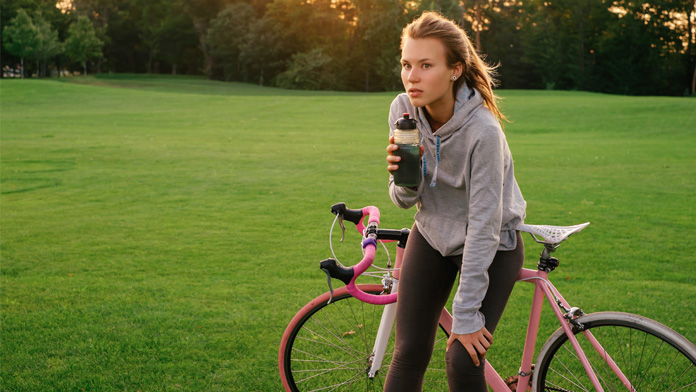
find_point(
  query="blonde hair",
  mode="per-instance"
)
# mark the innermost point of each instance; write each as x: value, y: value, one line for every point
x: 459, y: 49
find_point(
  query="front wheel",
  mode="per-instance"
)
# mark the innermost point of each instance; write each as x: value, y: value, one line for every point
x: 329, y: 347
x: 651, y: 356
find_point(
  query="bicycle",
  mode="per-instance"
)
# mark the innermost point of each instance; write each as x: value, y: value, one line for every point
x: 342, y: 340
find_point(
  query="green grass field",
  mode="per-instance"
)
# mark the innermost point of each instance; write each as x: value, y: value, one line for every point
x: 158, y: 233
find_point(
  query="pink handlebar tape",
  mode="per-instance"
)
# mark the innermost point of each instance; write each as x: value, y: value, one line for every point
x: 370, y: 246
x: 373, y: 212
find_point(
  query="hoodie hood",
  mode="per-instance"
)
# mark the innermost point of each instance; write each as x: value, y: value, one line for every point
x: 466, y: 103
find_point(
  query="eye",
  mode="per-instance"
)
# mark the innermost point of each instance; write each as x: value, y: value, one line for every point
x: 427, y: 66
x: 406, y: 66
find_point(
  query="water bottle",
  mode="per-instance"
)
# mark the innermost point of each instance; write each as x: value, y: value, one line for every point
x: 407, y: 138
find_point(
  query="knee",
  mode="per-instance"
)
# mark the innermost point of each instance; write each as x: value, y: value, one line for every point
x: 461, y: 366
x: 412, y: 356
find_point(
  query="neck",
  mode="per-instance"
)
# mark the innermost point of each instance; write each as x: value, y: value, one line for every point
x: 438, y: 114
x: 442, y: 110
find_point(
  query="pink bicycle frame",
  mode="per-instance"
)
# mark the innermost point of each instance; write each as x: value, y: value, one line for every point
x: 543, y: 288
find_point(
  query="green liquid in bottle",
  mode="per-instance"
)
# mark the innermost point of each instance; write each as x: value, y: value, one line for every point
x: 408, y: 174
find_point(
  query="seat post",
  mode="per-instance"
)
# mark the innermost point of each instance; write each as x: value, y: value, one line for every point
x: 546, y: 262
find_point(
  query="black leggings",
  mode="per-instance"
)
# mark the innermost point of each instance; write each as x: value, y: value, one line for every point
x: 424, y: 287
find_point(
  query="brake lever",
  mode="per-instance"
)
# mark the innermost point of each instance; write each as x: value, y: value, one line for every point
x: 328, y: 278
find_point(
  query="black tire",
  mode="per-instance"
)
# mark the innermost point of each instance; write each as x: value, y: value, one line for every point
x: 329, y: 347
x: 652, y: 356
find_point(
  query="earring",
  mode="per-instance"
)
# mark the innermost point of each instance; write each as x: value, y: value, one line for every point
x: 454, y: 78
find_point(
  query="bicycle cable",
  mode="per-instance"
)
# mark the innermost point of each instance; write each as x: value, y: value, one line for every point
x: 333, y: 253
x: 331, y: 241
x: 552, y: 289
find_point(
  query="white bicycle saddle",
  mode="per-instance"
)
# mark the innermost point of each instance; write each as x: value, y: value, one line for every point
x: 552, y: 235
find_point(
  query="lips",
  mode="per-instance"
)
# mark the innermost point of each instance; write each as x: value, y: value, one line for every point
x: 413, y: 92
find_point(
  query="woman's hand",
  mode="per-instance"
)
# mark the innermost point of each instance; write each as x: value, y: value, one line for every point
x: 392, y: 159
x: 475, y: 343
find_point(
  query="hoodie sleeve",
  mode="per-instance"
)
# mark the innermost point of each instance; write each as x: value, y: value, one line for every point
x: 485, y: 189
x: 401, y: 196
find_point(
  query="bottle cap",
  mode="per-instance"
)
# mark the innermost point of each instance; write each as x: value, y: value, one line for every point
x: 406, y: 122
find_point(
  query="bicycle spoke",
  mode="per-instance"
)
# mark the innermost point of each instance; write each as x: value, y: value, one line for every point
x: 350, y: 323
x: 676, y: 354
x: 355, y: 318
x: 333, y: 387
x: 321, y: 372
x: 322, y: 359
x: 321, y: 356
x: 347, y: 349
x: 572, y: 354
x: 631, y: 353
x: 566, y: 378
x: 603, y: 363
x: 680, y: 376
x: 642, y: 352
x: 620, y: 345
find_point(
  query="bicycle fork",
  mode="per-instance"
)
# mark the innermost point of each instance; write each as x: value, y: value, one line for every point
x: 383, y: 334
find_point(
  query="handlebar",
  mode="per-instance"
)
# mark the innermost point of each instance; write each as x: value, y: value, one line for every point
x: 348, y: 275
x: 356, y: 216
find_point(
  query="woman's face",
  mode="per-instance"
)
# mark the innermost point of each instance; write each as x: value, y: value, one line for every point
x: 424, y: 71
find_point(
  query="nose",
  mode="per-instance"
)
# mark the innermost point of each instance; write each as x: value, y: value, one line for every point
x: 409, y: 77
x: 413, y: 75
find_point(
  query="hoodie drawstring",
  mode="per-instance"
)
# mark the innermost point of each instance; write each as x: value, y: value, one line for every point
x: 437, y: 164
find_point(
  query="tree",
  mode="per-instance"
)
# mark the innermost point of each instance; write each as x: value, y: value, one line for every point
x: 48, y: 45
x: 179, y: 45
x: 263, y: 54
x: 202, y: 12
x: 502, y: 42
x: 82, y: 44
x: 638, y: 51
x: 149, y: 22
x: 21, y: 38
x: 226, y: 39
x: 102, y: 13
x: 690, y: 51
x: 307, y: 71
x: 379, y: 25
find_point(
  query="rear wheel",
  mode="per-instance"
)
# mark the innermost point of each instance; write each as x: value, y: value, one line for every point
x: 329, y: 347
x: 650, y: 355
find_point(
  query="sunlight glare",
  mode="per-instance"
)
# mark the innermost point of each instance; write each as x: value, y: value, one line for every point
x: 65, y: 6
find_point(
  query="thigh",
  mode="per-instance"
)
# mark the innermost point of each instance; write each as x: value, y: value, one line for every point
x: 424, y: 286
x: 425, y: 283
x: 503, y: 273
x: 462, y: 374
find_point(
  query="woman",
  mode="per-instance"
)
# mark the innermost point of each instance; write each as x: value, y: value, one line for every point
x: 468, y: 207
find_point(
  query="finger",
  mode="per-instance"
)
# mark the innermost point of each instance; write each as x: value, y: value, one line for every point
x: 473, y: 354
x: 392, y: 147
x: 422, y: 151
x: 393, y: 158
x: 391, y: 140
x: 485, y: 343
x: 451, y: 340
x: 480, y: 348
x: 488, y: 335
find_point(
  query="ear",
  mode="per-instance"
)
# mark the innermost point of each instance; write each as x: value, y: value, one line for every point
x: 457, y: 70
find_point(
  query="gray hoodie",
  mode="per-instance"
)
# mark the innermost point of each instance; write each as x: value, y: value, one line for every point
x: 469, y: 203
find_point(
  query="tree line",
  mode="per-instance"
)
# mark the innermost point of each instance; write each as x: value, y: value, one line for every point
x: 613, y: 46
